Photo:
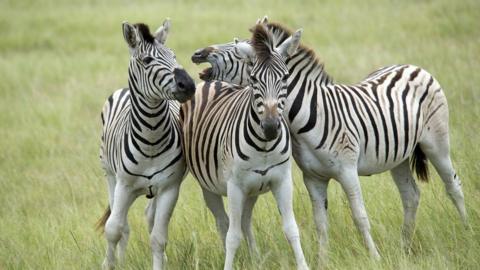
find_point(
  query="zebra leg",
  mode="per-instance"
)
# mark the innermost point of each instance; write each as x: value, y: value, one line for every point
x: 116, y: 223
x: 437, y: 151
x: 236, y: 202
x: 165, y: 203
x: 150, y: 213
x: 317, y: 189
x: 283, y: 192
x: 122, y: 244
x: 410, y: 195
x: 215, y: 204
x: 247, y: 225
x: 351, y: 185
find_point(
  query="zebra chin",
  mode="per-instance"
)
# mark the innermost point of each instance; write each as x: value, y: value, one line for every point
x: 270, y: 127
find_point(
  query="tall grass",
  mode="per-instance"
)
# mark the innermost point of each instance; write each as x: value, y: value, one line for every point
x: 59, y: 60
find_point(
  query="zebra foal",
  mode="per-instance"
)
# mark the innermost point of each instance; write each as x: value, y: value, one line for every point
x: 237, y: 144
x: 141, y: 150
x: 397, y: 115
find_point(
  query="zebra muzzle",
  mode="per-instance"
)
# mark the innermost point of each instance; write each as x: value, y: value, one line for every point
x: 271, y: 127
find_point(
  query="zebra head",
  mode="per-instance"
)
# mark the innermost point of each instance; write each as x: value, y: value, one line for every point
x: 268, y: 77
x: 226, y: 64
x: 153, y: 71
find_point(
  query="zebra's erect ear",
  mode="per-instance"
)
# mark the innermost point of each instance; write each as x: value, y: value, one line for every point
x: 263, y: 20
x: 130, y: 34
x: 290, y: 45
x: 245, y: 51
x: 162, y: 32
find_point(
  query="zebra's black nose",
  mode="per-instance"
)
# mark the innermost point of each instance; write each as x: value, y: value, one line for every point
x: 271, y: 127
x: 185, y: 85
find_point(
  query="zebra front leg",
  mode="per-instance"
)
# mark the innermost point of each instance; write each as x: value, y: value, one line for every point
x: 236, y: 201
x: 115, y: 225
x: 351, y: 185
x: 165, y: 204
x: 122, y: 244
x: 215, y: 204
x: 282, y: 191
x: 410, y: 195
x: 247, y: 225
x: 317, y: 189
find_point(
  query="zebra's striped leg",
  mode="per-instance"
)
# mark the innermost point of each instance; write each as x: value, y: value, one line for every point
x: 438, y: 153
x: 115, y: 226
x: 410, y: 195
x: 165, y: 203
x: 283, y: 192
x: 247, y: 225
x: 351, y: 185
x: 215, y: 204
x: 317, y: 189
x: 236, y: 202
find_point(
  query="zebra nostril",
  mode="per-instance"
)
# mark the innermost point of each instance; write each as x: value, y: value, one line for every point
x: 181, y: 86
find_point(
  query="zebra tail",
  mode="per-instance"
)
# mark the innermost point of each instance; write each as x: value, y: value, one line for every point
x: 100, y: 225
x: 419, y: 163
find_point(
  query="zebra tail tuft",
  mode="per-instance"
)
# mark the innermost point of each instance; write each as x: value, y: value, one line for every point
x: 100, y: 225
x: 419, y: 163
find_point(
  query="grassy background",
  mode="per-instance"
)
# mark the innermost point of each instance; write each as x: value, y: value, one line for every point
x: 59, y: 60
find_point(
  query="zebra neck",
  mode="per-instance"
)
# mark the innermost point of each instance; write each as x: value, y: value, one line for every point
x: 306, y: 71
x: 150, y: 124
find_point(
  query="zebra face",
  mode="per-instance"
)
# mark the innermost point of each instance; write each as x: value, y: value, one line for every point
x: 153, y: 69
x: 226, y: 64
x: 269, y: 75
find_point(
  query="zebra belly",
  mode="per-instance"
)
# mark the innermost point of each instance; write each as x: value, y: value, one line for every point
x: 327, y: 164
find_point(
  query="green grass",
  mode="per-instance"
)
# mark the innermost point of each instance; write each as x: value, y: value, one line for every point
x: 59, y: 60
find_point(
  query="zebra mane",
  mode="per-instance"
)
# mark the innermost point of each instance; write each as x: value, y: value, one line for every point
x: 144, y: 32
x: 281, y: 33
x: 262, y: 42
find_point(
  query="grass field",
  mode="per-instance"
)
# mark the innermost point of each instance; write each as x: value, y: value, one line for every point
x: 59, y: 60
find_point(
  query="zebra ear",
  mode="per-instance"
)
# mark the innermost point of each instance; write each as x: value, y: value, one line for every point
x: 162, y: 32
x: 245, y: 51
x: 263, y: 20
x: 130, y: 34
x: 290, y: 45
x: 236, y: 40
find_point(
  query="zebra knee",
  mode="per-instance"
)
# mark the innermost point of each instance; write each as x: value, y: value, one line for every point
x: 114, y: 230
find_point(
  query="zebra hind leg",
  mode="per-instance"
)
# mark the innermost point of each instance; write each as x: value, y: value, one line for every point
x: 215, y: 205
x: 410, y: 195
x: 438, y: 153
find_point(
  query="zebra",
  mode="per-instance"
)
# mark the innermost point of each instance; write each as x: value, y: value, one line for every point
x: 237, y: 144
x: 396, y: 115
x: 141, y: 149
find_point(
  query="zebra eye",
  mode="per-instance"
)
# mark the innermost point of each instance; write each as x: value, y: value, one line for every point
x: 147, y: 60
x: 253, y: 79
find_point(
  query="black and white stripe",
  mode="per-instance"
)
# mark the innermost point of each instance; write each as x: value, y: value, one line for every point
x: 237, y: 144
x: 398, y: 113
x: 141, y: 148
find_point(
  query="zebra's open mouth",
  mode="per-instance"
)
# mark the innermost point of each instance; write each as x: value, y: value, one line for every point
x: 206, y: 74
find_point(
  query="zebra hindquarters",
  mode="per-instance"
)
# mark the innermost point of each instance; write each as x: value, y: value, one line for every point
x: 434, y: 142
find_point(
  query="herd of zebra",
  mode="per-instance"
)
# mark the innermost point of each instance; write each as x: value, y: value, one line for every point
x: 262, y: 102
